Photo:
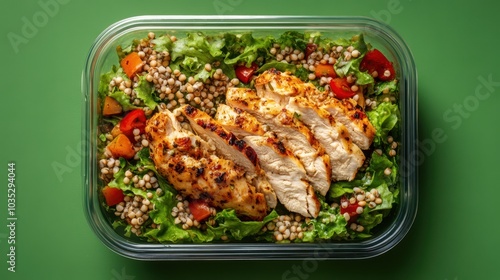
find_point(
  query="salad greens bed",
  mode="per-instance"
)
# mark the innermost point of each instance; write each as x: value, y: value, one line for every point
x: 220, y: 61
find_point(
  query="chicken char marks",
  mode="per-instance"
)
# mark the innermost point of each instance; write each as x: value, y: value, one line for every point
x: 188, y: 163
x: 231, y: 147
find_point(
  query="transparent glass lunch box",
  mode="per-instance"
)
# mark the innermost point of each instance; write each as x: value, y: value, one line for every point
x: 102, y: 57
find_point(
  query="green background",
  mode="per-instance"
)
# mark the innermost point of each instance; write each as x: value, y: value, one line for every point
x: 456, y: 232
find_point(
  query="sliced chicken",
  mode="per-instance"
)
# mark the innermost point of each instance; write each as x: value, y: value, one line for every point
x: 226, y: 142
x: 345, y: 157
x: 286, y: 175
x: 269, y: 118
x: 238, y: 121
x: 354, y: 119
x: 186, y: 161
x: 230, y: 147
x: 289, y: 91
x: 281, y: 86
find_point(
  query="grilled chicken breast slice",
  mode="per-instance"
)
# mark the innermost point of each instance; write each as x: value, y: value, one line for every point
x: 354, y: 119
x: 231, y: 147
x: 286, y: 175
x: 226, y: 142
x: 269, y: 118
x: 281, y: 86
x: 345, y: 157
x: 185, y: 160
x: 238, y: 121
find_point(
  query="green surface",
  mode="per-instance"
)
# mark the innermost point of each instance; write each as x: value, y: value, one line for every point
x: 455, y: 235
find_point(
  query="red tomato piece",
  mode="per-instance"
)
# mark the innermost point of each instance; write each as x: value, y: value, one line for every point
x: 324, y: 70
x: 374, y: 60
x: 350, y: 209
x: 310, y: 48
x: 341, y: 88
x: 134, y: 119
x: 244, y: 73
x: 113, y: 196
x: 200, y: 209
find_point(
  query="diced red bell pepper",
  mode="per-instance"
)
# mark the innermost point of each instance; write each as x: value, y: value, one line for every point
x: 134, y: 119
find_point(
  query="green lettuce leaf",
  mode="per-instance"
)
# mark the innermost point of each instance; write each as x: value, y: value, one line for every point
x: 198, y: 49
x: 390, y: 86
x: 345, y: 67
x: 280, y: 66
x: 123, y: 99
x: 293, y: 39
x: 370, y: 219
x: 246, y: 48
x: 146, y: 164
x: 117, y: 182
x: 329, y: 224
x: 145, y: 91
x: 123, y: 51
x: 230, y: 225
x: 340, y: 188
x: 376, y: 169
x: 162, y: 43
x: 106, y: 78
x: 384, y: 118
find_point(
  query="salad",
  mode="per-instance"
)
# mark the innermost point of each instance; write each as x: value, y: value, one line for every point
x: 176, y: 105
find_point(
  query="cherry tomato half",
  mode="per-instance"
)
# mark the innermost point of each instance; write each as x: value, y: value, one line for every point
x: 341, y: 88
x: 244, y: 73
